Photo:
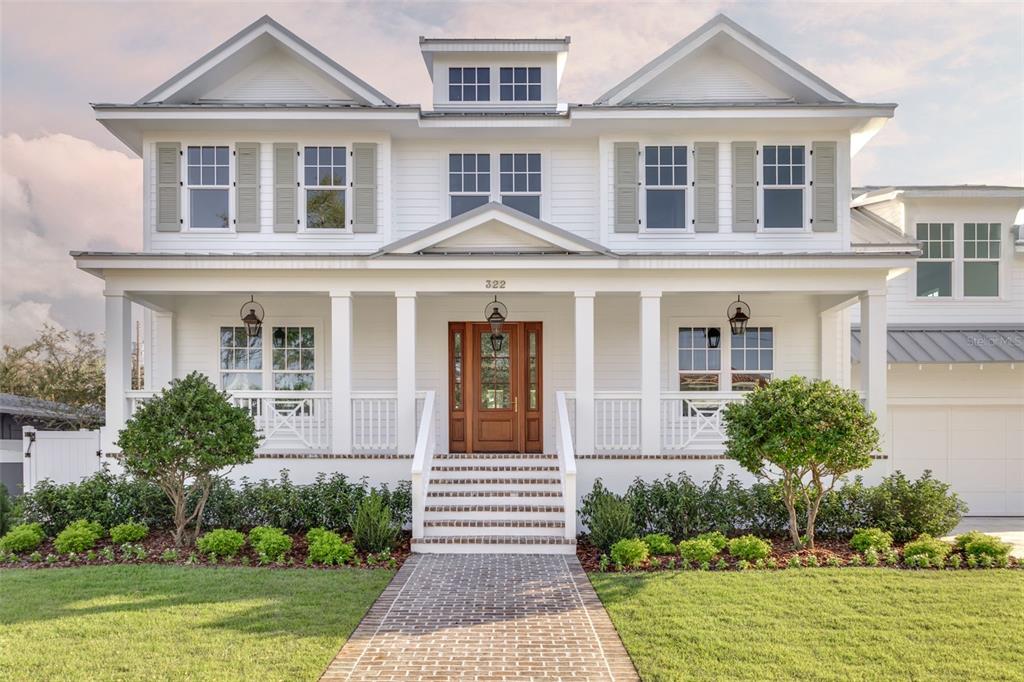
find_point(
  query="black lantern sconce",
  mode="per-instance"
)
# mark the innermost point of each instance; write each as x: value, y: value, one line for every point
x: 496, y: 313
x: 740, y: 315
x: 714, y: 337
x: 252, y: 319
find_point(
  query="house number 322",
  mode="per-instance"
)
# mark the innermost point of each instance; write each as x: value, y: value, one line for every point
x: 494, y: 284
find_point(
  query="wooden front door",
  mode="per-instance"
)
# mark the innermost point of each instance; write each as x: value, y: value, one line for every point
x: 495, y: 388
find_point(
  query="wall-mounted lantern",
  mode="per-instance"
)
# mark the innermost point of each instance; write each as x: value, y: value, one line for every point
x: 740, y: 315
x: 252, y: 319
x: 496, y: 313
x: 714, y: 337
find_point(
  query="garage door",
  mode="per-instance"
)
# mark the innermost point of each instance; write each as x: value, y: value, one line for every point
x: 977, y: 449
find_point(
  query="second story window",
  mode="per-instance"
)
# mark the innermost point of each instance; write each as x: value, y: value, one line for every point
x: 469, y: 84
x: 520, y: 182
x: 324, y: 180
x: 784, y: 175
x: 935, y: 266
x: 469, y: 181
x: 208, y: 183
x: 520, y: 83
x: 665, y: 183
x: 981, y: 259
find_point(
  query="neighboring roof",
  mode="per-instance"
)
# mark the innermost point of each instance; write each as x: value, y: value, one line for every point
x: 47, y: 409
x: 875, y: 193
x: 923, y: 344
x: 871, y: 232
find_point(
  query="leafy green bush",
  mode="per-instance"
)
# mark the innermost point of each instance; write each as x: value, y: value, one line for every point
x: 932, y: 549
x: 79, y: 536
x: 659, y: 544
x: 698, y: 550
x: 271, y: 544
x: 6, y: 510
x: 749, y: 548
x: 23, y: 538
x: 373, y: 526
x: 629, y: 552
x: 715, y: 538
x: 221, y: 542
x: 326, y: 547
x: 910, y: 508
x: 871, y: 538
x: 128, y: 532
x: 607, y: 516
x: 979, y: 544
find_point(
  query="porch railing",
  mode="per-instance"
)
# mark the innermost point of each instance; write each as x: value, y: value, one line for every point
x: 566, y: 461
x: 373, y: 422
x: 694, y: 419
x: 426, y: 446
x: 616, y: 422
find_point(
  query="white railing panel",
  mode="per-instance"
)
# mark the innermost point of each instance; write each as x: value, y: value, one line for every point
x: 616, y: 422
x: 289, y: 420
x: 422, y: 459
x: 694, y: 419
x: 374, y: 428
x: 566, y: 461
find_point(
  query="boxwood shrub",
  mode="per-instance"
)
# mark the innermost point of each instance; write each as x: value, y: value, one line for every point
x: 979, y: 544
x: 629, y: 552
x: 221, y: 542
x: 23, y: 538
x: 659, y: 544
x: 932, y: 549
x: 271, y: 544
x: 326, y: 547
x: 749, y: 548
x: 871, y: 538
x: 128, y: 532
x: 698, y: 550
x: 79, y: 536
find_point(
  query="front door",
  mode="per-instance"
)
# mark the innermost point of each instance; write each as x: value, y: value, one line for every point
x: 494, y: 401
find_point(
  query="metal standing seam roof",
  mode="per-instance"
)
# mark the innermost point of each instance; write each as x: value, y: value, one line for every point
x: 949, y: 345
x: 36, y: 407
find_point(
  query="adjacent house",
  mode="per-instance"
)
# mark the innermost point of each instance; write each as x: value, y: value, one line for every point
x: 504, y: 296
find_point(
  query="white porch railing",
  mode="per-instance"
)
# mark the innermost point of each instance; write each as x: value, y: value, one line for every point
x: 566, y: 461
x: 616, y: 422
x: 373, y: 422
x: 426, y: 446
x: 694, y: 419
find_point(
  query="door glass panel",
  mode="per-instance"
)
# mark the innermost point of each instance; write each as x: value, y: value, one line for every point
x: 532, y: 379
x: 457, y: 361
x: 495, y: 374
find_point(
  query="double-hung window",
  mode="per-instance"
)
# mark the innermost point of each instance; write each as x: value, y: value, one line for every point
x: 208, y: 183
x: 935, y: 266
x: 324, y: 179
x: 981, y: 259
x: 700, y: 365
x: 469, y: 181
x: 241, y: 360
x: 665, y: 184
x: 469, y: 84
x: 752, y: 361
x: 784, y: 175
x: 294, y: 358
x: 519, y: 83
x: 520, y: 182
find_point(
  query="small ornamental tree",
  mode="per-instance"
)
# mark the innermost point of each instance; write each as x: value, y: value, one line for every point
x: 804, y: 435
x: 180, y: 440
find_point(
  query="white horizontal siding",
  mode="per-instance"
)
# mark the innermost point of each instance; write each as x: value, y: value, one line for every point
x: 708, y: 78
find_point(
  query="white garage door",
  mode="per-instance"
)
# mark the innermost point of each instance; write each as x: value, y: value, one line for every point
x: 977, y: 449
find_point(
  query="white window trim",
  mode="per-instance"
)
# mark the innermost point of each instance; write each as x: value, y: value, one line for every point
x: 490, y: 82
x: 489, y: 194
x: 688, y: 226
x: 964, y: 260
x: 267, y: 372
x: 495, y: 194
x: 186, y: 187
x: 301, y: 174
x: 725, y: 374
x: 958, y: 261
x: 539, y: 83
x: 806, y: 187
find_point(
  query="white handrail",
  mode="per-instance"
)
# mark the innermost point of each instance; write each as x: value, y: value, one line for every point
x: 422, y: 458
x: 566, y: 462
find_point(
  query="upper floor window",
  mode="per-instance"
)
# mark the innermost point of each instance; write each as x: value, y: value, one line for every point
x: 324, y: 179
x: 520, y: 83
x: 981, y: 259
x: 208, y: 183
x: 783, y: 170
x: 469, y: 84
x: 665, y: 181
x: 469, y: 181
x: 935, y: 267
x: 520, y: 182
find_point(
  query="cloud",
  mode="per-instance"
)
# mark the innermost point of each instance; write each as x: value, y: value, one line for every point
x: 21, y: 322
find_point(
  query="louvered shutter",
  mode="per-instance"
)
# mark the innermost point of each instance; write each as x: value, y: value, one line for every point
x: 627, y: 188
x: 364, y: 187
x: 286, y: 190
x: 168, y: 190
x: 823, y: 158
x: 744, y: 186
x: 247, y: 186
x: 705, y: 184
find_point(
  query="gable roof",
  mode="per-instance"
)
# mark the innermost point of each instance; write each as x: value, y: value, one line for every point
x: 225, y: 60
x: 721, y: 29
x: 873, y: 233
x: 535, y: 236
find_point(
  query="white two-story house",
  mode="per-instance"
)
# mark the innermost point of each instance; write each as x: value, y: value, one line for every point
x: 504, y: 296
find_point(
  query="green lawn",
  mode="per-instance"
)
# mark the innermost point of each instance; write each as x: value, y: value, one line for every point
x: 173, y: 622
x: 848, y: 624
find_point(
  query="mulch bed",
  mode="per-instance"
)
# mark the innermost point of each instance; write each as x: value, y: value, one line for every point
x: 159, y: 541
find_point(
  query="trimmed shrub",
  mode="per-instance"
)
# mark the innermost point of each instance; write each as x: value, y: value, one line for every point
x: 629, y: 552
x: 221, y: 542
x: 659, y: 544
x: 749, y: 548
x: 871, y: 538
x: 607, y: 516
x: 128, y: 532
x: 978, y: 544
x: 932, y: 549
x: 79, y: 536
x: 271, y: 544
x: 326, y: 547
x: 698, y: 550
x: 6, y: 510
x: 715, y: 538
x: 23, y: 538
x: 910, y: 508
x: 373, y: 528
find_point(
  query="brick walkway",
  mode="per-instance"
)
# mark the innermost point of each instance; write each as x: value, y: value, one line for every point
x: 485, y: 617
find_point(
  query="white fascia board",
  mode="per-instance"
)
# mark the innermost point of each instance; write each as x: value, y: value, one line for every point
x: 119, y: 113
x: 745, y: 112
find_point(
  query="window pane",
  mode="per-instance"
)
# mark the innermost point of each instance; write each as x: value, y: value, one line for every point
x: 241, y: 381
x: 325, y: 209
x: 769, y: 154
x: 980, y: 279
x: 529, y: 205
x: 783, y: 208
x: 461, y: 204
x: 698, y: 382
x: 666, y: 209
x: 934, y: 279
x: 534, y: 93
x: 770, y: 176
x: 208, y: 208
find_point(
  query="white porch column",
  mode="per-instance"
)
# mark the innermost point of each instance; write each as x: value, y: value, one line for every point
x: 341, y: 372
x: 585, y: 372
x: 405, y: 418
x: 650, y: 372
x: 118, y: 341
x: 873, y: 359
x: 160, y: 353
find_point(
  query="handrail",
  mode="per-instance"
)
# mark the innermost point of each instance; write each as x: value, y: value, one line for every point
x: 566, y: 462
x: 421, y: 460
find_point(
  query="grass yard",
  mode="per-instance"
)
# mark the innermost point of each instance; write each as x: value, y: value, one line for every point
x: 823, y: 624
x: 174, y: 622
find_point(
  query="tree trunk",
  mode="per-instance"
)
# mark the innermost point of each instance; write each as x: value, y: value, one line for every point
x: 789, y: 497
x: 812, y: 515
x: 197, y: 514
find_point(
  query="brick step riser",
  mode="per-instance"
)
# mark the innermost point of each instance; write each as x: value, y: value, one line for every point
x: 508, y: 531
x: 493, y: 515
x: 492, y: 497
x: 497, y: 456
x: 497, y: 548
x: 523, y: 470
x: 479, y: 488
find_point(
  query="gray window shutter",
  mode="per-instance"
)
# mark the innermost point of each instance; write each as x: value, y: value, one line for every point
x: 247, y: 186
x: 627, y: 187
x: 744, y: 187
x: 168, y: 190
x: 364, y: 187
x: 823, y: 158
x: 705, y: 184
x: 286, y: 189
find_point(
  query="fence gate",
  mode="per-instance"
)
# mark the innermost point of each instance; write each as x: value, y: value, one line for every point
x: 61, y: 456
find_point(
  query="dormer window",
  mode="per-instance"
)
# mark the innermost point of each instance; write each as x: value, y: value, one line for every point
x: 469, y: 84
x: 520, y: 84
x: 784, y: 175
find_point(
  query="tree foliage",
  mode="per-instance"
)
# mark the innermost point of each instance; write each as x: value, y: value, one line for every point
x: 804, y: 435
x: 181, y: 439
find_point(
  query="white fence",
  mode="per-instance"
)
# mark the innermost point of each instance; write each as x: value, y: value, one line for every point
x: 61, y: 456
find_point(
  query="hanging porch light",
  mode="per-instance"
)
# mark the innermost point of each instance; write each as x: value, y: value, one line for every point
x: 496, y: 313
x: 252, y: 320
x: 739, y: 317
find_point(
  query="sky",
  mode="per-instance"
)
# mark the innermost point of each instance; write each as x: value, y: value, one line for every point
x: 955, y: 69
